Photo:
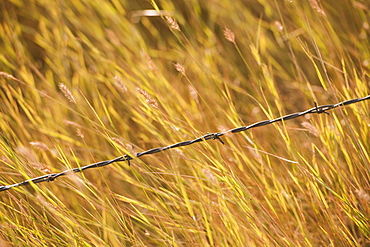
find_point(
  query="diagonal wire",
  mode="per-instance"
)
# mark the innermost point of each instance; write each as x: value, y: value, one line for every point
x: 211, y: 136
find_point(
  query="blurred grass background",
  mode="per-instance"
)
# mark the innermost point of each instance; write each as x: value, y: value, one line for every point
x: 86, y: 81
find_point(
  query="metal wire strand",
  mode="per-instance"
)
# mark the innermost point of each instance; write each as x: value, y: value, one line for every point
x: 211, y: 136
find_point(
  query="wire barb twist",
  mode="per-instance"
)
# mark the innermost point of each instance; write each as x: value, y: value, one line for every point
x: 212, y: 136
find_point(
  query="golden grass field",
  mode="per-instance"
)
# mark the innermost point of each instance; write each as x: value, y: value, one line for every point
x: 88, y: 81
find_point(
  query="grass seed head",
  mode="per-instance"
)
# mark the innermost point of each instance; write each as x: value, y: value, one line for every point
x: 229, y: 35
x: 67, y: 93
x: 310, y: 128
x: 150, y: 62
x: 363, y: 195
x: 120, y: 84
x: 172, y: 22
x: 209, y: 175
x: 278, y: 26
x: 149, y: 100
x: 128, y: 147
x: 315, y: 5
x: 40, y: 146
x: 193, y: 93
x: 80, y: 133
x: 180, y: 68
x: 27, y: 153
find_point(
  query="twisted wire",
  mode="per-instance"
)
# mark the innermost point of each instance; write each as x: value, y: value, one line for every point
x: 211, y: 136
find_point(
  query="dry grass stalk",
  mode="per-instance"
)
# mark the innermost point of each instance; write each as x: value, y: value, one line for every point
x: 229, y: 35
x: 251, y: 190
x: 5, y: 159
x: 67, y: 93
x: 315, y: 5
x: 172, y: 22
x: 149, y: 100
x: 2, y: 73
x: 67, y: 122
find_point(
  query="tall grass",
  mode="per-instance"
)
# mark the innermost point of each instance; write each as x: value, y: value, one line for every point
x: 82, y: 82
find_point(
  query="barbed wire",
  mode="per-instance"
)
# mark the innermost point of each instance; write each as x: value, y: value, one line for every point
x: 211, y: 136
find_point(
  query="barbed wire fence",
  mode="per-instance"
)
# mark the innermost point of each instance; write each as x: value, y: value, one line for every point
x: 211, y: 136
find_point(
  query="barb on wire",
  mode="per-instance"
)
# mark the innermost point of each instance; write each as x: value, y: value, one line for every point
x: 212, y: 136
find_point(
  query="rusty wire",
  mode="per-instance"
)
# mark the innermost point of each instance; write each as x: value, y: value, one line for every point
x: 211, y: 136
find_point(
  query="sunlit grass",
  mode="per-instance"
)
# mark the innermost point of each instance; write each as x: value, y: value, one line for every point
x: 81, y: 83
